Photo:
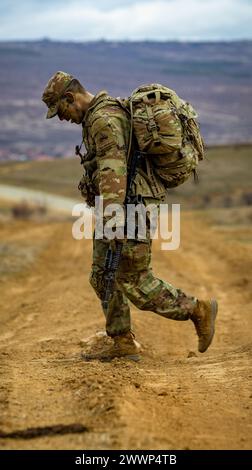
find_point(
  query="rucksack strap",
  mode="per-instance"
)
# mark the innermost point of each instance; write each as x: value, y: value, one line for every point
x: 152, y: 125
x: 131, y: 131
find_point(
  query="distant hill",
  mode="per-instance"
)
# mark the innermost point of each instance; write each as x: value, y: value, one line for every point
x: 215, y: 77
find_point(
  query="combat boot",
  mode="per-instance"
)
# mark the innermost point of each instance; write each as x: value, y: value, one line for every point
x: 123, y: 345
x: 203, y: 318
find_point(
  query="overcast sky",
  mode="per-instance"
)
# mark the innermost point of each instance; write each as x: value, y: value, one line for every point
x: 78, y: 20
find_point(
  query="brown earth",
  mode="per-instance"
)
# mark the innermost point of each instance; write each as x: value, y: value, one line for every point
x: 174, y: 398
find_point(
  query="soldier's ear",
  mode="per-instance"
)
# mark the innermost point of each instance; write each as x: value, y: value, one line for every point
x: 69, y: 96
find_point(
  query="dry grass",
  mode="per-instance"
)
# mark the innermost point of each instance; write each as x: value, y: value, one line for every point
x: 225, y: 178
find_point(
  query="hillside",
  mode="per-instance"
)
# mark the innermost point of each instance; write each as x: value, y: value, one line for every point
x: 215, y: 77
x: 224, y: 178
x: 174, y: 397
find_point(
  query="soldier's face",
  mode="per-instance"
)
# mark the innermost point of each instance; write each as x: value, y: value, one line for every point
x: 69, y: 111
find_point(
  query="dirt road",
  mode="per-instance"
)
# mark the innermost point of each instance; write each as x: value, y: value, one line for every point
x: 50, y: 201
x: 167, y: 400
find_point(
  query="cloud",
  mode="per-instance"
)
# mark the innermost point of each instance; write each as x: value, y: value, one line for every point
x: 127, y: 19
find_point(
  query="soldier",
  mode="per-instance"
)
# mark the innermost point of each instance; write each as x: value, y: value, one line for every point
x: 106, y: 130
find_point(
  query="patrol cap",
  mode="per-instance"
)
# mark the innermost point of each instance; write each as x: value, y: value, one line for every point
x: 54, y: 90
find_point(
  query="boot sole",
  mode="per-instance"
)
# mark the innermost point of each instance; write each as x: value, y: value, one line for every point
x: 214, y: 311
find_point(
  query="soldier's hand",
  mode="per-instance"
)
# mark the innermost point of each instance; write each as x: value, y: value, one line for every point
x: 116, y: 239
x: 114, y: 243
x: 114, y: 229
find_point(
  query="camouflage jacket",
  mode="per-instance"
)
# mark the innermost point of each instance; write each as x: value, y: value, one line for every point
x: 106, y: 130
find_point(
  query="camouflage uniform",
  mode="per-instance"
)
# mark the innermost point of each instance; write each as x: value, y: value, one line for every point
x: 106, y: 133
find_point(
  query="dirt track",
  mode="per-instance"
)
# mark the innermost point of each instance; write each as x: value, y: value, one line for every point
x: 167, y: 400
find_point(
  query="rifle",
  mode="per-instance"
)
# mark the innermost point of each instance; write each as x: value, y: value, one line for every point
x: 113, y: 257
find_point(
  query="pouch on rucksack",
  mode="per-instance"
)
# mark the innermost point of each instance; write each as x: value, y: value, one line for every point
x: 167, y: 132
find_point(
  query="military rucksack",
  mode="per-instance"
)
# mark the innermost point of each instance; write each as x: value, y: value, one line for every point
x: 167, y: 132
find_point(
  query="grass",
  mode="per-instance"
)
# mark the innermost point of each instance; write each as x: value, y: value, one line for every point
x: 225, y: 176
x: 59, y: 176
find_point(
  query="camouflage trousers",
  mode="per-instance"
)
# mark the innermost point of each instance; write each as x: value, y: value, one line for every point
x: 136, y: 282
